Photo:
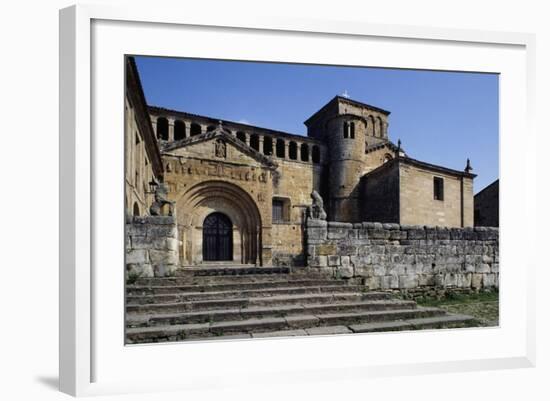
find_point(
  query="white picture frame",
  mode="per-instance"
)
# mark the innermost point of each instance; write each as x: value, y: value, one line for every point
x: 88, y: 364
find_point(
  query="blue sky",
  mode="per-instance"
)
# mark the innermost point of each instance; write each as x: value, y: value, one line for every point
x: 440, y: 117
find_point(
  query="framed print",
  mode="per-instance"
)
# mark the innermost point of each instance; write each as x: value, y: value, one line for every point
x: 199, y: 225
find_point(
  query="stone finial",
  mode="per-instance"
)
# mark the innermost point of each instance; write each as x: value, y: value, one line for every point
x: 220, y: 125
x: 468, y: 167
x: 398, y: 147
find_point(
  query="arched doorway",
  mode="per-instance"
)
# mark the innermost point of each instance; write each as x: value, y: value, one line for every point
x: 207, y: 198
x: 217, y: 238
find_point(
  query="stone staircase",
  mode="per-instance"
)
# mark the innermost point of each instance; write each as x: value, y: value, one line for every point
x: 251, y: 302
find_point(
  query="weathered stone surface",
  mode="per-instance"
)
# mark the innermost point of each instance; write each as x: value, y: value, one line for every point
x: 403, y: 256
x: 334, y: 260
x: 138, y: 270
x: 137, y: 256
x: 345, y: 271
x: 326, y: 249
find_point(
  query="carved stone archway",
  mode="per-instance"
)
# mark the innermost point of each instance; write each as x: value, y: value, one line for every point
x: 209, y: 197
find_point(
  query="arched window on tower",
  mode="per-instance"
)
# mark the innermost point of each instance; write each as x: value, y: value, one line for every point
x: 268, y: 146
x: 162, y: 128
x: 379, y: 127
x: 280, y: 148
x: 315, y: 154
x: 371, y: 126
x: 179, y: 130
x: 210, y: 128
x: 195, y: 129
x: 352, y: 130
x: 304, y: 152
x: 136, y: 209
x: 346, y: 129
x: 255, y: 142
x: 292, y: 150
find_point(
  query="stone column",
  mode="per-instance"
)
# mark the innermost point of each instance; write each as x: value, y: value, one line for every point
x: 170, y: 129
x: 187, y: 129
x: 287, y: 144
x: 261, y: 144
x: 247, y: 138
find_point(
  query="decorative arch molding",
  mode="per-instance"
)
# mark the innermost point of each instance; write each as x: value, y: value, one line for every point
x: 209, y: 197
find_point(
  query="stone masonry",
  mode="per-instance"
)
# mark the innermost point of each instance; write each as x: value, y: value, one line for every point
x: 401, y: 257
x: 151, y: 246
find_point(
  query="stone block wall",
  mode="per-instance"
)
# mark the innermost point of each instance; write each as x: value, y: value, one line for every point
x: 399, y: 257
x: 151, y: 246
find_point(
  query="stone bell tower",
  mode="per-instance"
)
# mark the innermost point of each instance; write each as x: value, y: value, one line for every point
x: 347, y: 127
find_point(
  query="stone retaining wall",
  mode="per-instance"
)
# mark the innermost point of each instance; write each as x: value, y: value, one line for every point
x: 151, y: 246
x: 400, y: 257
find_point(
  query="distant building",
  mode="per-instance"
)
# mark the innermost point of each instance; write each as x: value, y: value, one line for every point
x: 241, y: 191
x: 486, y: 206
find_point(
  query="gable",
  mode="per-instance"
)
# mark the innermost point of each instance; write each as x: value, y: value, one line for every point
x: 219, y: 146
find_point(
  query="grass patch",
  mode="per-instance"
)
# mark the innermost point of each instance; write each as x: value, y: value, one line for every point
x: 483, y: 306
x: 455, y: 298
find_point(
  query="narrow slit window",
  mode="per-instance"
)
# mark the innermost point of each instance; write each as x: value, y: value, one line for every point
x: 438, y: 188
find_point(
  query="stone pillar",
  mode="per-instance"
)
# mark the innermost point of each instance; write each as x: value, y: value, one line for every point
x: 170, y: 129
x: 187, y: 129
x: 287, y: 144
x: 247, y: 138
x: 261, y: 144
x: 154, y: 124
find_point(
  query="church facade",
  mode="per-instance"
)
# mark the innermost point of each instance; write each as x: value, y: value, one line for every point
x: 240, y: 193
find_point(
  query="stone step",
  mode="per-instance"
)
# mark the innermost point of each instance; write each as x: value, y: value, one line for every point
x: 201, y: 305
x: 140, y: 320
x: 231, y: 270
x: 443, y: 321
x: 230, y: 279
x: 347, y: 318
x: 180, y: 332
x: 174, y: 296
x: 169, y: 288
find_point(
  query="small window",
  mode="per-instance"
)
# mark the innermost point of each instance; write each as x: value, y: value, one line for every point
x: 292, y: 151
x: 179, y: 130
x: 195, y: 129
x: 352, y: 130
x: 241, y: 136
x: 304, y: 152
x: 346, y: 130
x: 136, y: 209
x: 278, y: 208
x: 438, y: 188
x: 255, y: 142
x: 268, y: 146
x: 280, y: 148
x: 162, y: 128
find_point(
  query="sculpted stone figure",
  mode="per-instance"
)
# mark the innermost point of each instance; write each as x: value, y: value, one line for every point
x: 220, y: 149
x: 316, y: 210
x: 161, y: 199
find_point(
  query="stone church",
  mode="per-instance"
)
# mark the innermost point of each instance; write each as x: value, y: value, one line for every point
x: 239, y: 193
